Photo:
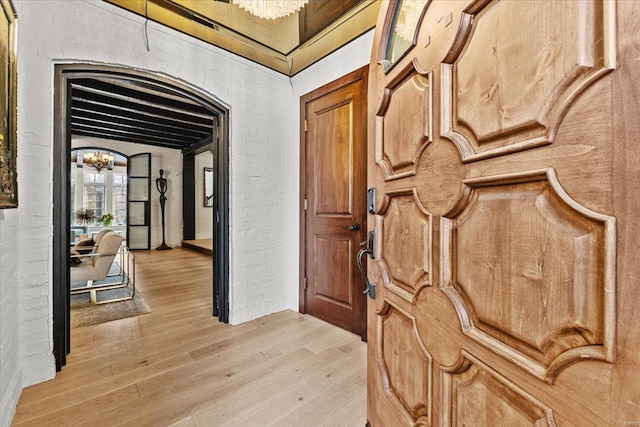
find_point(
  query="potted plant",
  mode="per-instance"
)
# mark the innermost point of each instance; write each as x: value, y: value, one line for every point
x: 83, y: 216
x: 106, y: 219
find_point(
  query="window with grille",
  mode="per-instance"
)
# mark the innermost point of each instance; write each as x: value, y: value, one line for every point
x: 119, y: 198
x: 94, y: 192
x: 72, y: 199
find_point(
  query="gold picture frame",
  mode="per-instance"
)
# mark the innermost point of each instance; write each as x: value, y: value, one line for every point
x: 8, y: 107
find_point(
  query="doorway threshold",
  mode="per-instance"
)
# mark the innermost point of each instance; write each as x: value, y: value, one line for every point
x: 204, y: 246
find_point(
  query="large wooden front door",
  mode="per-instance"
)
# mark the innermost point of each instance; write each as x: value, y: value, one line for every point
x: 334, y: 179
x: 504, y: 150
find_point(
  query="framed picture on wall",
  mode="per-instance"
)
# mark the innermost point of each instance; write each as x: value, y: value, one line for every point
x: 8, y: 107
x: 208, y: 187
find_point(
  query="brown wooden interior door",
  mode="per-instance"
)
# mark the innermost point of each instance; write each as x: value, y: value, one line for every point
x: 334, y: 186
x: 503, y: 147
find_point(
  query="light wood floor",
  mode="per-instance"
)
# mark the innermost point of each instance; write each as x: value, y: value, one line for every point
x: 178, y: 366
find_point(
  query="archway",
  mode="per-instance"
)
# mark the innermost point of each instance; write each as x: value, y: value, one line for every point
x: 64, y: 78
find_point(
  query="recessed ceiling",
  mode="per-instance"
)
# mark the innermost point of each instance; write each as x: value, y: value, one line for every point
x: 287, y: 45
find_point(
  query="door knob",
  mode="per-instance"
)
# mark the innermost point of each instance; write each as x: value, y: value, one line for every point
x: 354, y: 227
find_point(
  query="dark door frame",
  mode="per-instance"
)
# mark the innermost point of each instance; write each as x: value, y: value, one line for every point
x: 189, y: 204
x: 63, y: 76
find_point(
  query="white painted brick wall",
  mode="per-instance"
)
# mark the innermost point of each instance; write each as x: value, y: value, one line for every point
x: 257, y: 242
x: 10, y: 380
x: 33, y: 259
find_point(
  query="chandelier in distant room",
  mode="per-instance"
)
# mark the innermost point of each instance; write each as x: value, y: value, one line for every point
x: 271, y: 9
x: 98, y: 160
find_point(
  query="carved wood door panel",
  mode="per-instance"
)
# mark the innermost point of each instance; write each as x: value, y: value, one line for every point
x: 334, y: 187
x: 499, y: 146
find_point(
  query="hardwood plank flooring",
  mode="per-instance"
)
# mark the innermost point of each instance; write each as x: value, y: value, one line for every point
x: 178, y: 366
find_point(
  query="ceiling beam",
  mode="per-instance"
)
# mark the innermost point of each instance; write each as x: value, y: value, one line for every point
x: 79, y: 106
x: 125, y: 133
x: 139, y: 124
x: 183, y: 138
x: 143, y: 96
x: 200, y: 146
x: 80, y: 95
x: 139, y: 140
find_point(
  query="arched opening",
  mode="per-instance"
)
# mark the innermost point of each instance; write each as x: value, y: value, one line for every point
x: 71, y: 97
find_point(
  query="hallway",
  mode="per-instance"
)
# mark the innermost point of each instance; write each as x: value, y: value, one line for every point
x: 179, y: 366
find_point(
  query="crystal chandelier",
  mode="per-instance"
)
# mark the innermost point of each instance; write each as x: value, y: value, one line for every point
x: 271, y: 9
x: 98, y: 160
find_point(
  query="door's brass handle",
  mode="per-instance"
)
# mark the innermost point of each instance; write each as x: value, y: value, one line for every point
x: 370, y: 287
x: 367, y: 249
x: 354, y: 227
